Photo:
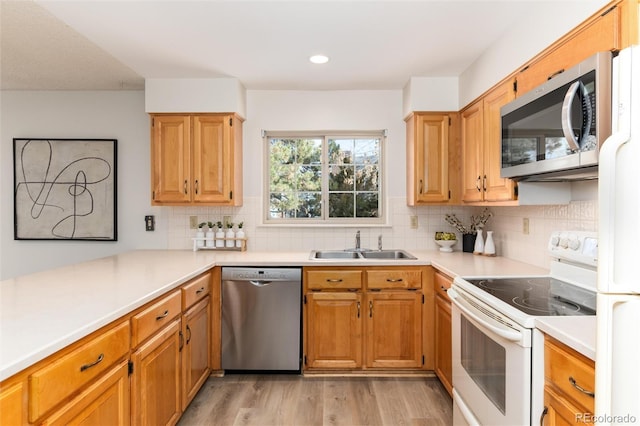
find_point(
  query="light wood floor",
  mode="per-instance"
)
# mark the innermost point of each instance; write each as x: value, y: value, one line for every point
x: 266, y: 400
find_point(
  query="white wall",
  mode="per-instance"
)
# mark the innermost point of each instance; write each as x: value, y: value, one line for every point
x: 57, y: 114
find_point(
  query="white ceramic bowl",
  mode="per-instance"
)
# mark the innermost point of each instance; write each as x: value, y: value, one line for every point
x: 446, y: 245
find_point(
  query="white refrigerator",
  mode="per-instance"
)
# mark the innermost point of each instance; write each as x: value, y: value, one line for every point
x: 617, y: 394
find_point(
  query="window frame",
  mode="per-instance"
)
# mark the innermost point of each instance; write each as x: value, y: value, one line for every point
x: 326, y: 220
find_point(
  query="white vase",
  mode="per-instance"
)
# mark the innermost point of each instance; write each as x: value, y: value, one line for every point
x: 200, y: 238
x: 209, y: 238
x: 239, y: 234
x: 220, y: 238
x: 489, y: 245
x: 479, y: 246
x: 229, y: 235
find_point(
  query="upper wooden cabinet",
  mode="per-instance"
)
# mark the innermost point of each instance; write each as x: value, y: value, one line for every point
x: 481, y: 152
x: 196, y: 159
x: 431, y: 143
x: 613, y: 28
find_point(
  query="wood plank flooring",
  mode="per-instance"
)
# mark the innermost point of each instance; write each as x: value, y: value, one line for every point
x: 280, y: 400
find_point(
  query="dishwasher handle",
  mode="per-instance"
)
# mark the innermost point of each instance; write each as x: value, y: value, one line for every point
x: 260, y: 283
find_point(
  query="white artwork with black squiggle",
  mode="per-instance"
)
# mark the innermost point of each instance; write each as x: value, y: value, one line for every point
x: 65, y: 189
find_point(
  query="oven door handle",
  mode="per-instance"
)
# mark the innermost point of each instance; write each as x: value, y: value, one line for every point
x: 497, y: 328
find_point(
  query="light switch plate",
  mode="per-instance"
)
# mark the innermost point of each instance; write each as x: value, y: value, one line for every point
x: 193, y: 222
x: 413, y: 222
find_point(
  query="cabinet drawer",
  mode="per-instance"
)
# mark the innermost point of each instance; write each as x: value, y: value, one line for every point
x: 51, y: 384
x: 564, y: 366
x: 155, y: 317
x: 195, y: 290
x: 326, y: 280
x: 386, y: 279
x: 441, y: 284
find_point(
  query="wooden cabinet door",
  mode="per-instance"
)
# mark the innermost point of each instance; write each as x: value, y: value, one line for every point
x: 334, y: 330
x: 443, y: 368
x: 495, y: 187
x: 428, y: 159
x: 171, y: 159
x: 197, y: 350
x: 394, y: 329
x: 472, y: 152
x: 105, y: 402
x: 12, y: 408
x: 155, y: 384
x: 212, y: 159
x: 561, y: 412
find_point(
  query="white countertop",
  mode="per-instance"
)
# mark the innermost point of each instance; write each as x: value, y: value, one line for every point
x: 578, y: 333
x: 42, y: 313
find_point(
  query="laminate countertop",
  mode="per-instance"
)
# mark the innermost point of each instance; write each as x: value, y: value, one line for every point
x: 43, y: 312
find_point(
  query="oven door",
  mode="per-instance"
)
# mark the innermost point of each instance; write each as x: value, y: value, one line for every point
x: 491, y: 365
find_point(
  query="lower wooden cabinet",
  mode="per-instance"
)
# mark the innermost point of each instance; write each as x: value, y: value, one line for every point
x: 196, y: 353
x: 394, y: 329
x: 569, y: 385
x: 155, y: 383
x: 12, y: 407
x: 106, y: 402
x: 372, y: 318
x: 334, y: 330
x: 443, y: 360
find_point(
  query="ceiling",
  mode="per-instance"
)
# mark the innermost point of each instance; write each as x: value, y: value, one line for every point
x: 265, y: 44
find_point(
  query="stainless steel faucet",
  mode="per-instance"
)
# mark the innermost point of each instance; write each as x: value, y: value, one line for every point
x: 358, y: 240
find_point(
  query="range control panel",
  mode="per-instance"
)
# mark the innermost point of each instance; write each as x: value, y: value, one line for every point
x: 576, y: 246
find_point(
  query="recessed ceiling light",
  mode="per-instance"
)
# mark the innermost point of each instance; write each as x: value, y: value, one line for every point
x: 319, y: 59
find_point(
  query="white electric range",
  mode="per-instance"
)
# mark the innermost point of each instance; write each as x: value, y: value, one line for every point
x: 498, y: 355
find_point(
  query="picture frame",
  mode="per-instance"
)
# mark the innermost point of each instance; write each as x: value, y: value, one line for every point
x: 65, y: 189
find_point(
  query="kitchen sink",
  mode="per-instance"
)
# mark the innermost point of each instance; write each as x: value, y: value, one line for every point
x: 360, y: 255
x: 334, y: 254
x: 387, y: 254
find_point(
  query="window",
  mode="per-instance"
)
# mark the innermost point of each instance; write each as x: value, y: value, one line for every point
x: 327, y: 178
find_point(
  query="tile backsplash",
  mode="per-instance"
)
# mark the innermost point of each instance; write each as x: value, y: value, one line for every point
x: 507, y: 224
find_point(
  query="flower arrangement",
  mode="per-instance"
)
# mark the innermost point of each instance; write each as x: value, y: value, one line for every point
x: 477, y: 222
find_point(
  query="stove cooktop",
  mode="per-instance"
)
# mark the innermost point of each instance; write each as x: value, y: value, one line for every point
x: 540, y: 296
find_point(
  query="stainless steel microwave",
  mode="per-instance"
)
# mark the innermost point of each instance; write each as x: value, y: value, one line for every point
x: 554, y: 132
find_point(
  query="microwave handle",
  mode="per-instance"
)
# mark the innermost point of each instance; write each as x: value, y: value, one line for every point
x: 566, y: 116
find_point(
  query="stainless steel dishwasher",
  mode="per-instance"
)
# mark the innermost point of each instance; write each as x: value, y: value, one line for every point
x: 261, y: 319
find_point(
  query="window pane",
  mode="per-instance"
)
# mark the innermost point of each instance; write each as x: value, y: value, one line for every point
x: 367, y: 151
x: 341, y: 151
x: 341, y: 204
x: 367, y: 178
x: 282, y: 205
x: 341, y: 178
x: 366, y: 204
x: 309, y: 178
x: 309, y: 205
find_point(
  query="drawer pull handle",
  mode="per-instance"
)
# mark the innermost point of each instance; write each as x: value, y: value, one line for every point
x: 370, y: 309
x: 164, y: 315
x: 188, y: 334
x: 543, y: 415
x: 200, y: 290
x: 443, y: 288
x: 394, y: 280
x: 334, y: 280
x: 580, y: 388
x: 96, y: 362
x: 358, y: 305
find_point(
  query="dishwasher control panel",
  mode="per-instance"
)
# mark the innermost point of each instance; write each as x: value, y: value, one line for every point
x: 261, y: 274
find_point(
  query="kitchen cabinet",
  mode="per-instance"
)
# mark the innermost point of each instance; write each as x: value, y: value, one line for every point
x: 104, y: 402
x: 155, y: 383
x: 481, y: 150
x: 358, y: 318
x: 569, y: 383
x: 333, y: 330
x: 64, y: 376
x: 394, y: 329
x: 443, y: 361
x: 196, y: 354
x: 196, y: 159
x: 432, y: 151
x: 12, y: 407
x: 601, y: 33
